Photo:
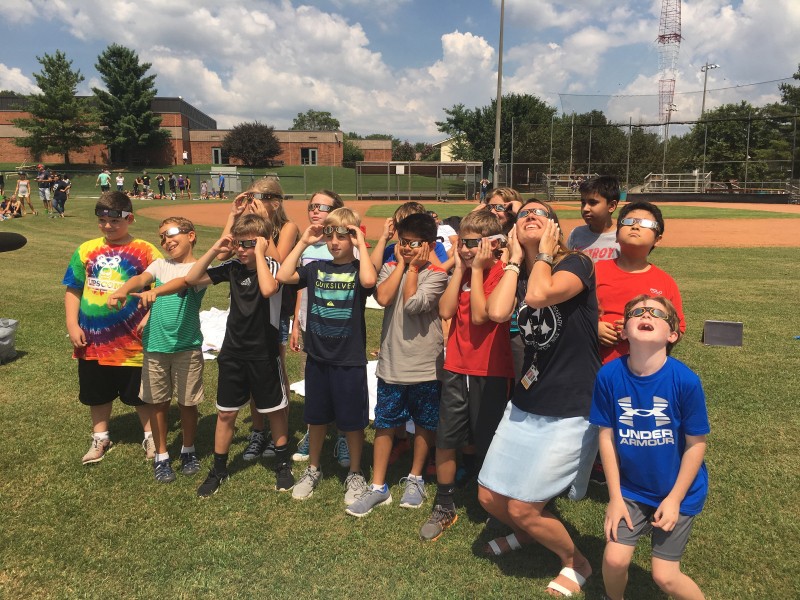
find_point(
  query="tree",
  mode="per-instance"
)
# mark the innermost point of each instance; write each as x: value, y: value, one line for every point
x: 404, y: 151
x: 253, y: 143
x: 350, y: 152
x: 315, y: 120
x: 60, y: 123
x: 790, y: 94
x: 125, y: 105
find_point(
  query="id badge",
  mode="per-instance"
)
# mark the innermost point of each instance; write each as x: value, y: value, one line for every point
x: 530, y: 376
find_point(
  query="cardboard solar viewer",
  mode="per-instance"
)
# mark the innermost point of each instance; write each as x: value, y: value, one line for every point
x: 723, y: 333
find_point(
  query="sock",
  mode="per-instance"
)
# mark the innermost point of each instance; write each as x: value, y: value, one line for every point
x: 221, y: 462
x: 101, y: 435
x: 187, y: 449
x: 148, y: 434
x: 382, y: 488
x: 444, y: 495
x: 469, y: 462
x: 281, y: 454
x: 415, y: 478
x: 161, y: 457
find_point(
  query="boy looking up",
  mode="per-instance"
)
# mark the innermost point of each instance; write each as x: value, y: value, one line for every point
x: 598, y: 239
x: 249, y: 361
x: 653, y: 423
x: 173, y: 359
x: 336, y: 341
x: 478, y: 369
x: 107, y: 343
x: 410, y: 359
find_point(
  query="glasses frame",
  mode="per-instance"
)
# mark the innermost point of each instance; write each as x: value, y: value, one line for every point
x: 469, y: 242
x: 639, y: 311
x: 329, y: 230
x: 320, y: 207
x: 171, y: 233
x: 246, y: 243
x: 644, y: 223
x: 499, y: 207
x: 414, y: 244
x: 539, y: 212
x: 111, y: 213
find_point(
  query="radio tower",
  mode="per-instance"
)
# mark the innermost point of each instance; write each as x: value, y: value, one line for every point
x: 669, y: 41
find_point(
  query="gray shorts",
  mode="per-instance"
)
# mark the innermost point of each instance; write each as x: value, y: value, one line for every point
x: 667, y: 545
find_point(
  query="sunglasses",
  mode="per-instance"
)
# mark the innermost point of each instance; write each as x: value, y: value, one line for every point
x: 320, y: 207
x: 114, y: 214
x: 499, y: 208
x: 171, y: 232
x: 260, y: 196
x: 539, y: 212
x: 471, y: 243
x: 656, y: 312
x: 329, y: 229
x: 646, y: 223
x: 247, y: 243
x: 410, y: 243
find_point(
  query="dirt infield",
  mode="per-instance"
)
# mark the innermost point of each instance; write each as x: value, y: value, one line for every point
x: 680, y: 233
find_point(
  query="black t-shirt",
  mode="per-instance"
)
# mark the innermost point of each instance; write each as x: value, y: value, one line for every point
x: 44, y: 179
x: 562, y: 339
x: 60, y: 189
x: 335, y: 329
x: 251, y: 332
x: 146, y: 180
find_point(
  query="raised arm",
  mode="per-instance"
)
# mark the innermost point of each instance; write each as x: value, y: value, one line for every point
x: 119, y: 298
x: 367, y: 275
x: 448, y: 303
x: 386, y: 292
x: 267, y: 284
x: 544, y: 287
x: 197, y: 274
x: 501, y: 302
x: 288, y: 271
x: 477, y: 296
x: 380, y: 246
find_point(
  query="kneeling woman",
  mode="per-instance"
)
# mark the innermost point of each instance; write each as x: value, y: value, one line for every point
x: 545, y: 445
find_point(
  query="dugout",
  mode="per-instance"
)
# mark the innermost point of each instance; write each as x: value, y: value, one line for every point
x: 417, y: 180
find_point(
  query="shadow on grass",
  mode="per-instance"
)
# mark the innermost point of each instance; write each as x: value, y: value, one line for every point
x: 20, y: 354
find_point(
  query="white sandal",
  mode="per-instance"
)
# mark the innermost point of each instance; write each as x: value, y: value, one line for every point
x: 512, y: 542
x: 570, y: 574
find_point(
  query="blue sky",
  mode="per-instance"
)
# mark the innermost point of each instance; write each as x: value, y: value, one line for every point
x: 391, y: 66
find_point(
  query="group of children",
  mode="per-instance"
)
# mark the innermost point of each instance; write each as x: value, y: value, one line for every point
x: 651, y: 446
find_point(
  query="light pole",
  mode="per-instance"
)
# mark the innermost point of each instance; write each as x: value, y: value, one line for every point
x: 705, y: 69
x: 499, y: 98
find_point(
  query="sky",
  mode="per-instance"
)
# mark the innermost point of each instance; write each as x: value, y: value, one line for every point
x: 393, y: 66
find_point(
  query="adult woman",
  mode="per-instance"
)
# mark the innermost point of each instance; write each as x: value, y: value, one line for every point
x: 23, y: 191
x: 545, y: 444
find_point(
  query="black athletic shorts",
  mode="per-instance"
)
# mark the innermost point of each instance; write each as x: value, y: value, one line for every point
x: 240, y: 378
x: 101, y: 384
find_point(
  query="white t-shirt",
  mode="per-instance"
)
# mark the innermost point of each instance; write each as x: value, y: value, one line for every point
x: 443, y: 234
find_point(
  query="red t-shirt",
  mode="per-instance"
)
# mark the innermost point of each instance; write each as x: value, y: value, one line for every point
x: 616, y: 287
x: 482, y: 350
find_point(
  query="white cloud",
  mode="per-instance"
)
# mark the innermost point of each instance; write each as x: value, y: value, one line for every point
x: 12, y: 78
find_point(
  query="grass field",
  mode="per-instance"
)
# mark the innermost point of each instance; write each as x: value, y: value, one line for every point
x: 111, y: 531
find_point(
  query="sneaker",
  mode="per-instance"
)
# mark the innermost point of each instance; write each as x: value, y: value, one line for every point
x: 369, y: 500
x: 441, y: 519
x: 302, y: 450
x: 255, y: 446
x: 284, y: 479
x: 414, y: 494
x: 269, y: 450
x: 190, y: 465
x: 97, y: 451
x: 212, y: 483
x: 399, y: 447
x: 163, y: 471
x: 149, y: 447
x: 355, y: 486
x: 307, y: 483
x: 341, y: 452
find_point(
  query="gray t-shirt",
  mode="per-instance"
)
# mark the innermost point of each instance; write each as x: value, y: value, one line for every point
x: 599, y: 246
x: 412, y: 345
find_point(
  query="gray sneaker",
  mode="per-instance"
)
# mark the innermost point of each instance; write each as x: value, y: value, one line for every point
x: 355, y: 486
x: 414, y: 494
x: 255, y: 446
x: 367, y: 501
x: 308, y: 482
x: 149, y: 447
x: 441, y: 518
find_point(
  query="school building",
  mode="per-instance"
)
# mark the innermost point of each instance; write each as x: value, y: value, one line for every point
x: 194, y: 139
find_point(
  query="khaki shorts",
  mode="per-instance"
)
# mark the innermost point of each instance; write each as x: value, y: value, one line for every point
x: 174, y: 373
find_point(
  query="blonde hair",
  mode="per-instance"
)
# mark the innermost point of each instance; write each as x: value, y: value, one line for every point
x: 251, y: 225
x: 482, y: 222
x: 673, y: 319
x: 407, y: 208
x: 343, y: 216
x: 277, y: 216
x: 506, y: 194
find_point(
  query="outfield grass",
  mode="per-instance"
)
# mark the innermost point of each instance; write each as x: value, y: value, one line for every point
x: 111, y: 531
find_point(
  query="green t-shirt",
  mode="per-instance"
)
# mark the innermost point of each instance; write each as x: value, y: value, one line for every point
x: 174, y: 324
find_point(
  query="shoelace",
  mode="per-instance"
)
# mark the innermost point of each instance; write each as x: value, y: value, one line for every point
x: 418, y: 485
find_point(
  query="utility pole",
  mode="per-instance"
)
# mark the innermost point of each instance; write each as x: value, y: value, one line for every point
x: 705, y: 69
x: 499, y: 98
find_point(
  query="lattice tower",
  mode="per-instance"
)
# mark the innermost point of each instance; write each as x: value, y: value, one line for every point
x: 669, y: 41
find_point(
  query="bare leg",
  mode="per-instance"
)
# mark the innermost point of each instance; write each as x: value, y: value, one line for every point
x: 445, y: 466
x: 424, y: 440
x: 144, y: 416
x: 381, y: 449
x: 616, y: 560
x: 355, y: 443
x: 223, y: 432
x: 189, y: 416
x: 101, y: 415
x: 316, y: 438
x: 667, y: 574
x: 158, y: 422
x: 279, y: 425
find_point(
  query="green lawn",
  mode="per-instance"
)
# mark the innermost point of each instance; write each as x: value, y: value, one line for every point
x: 111, y: 531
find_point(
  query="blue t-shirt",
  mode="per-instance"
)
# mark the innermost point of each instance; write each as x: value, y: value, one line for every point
x: 650, y: 417
x: 441, y: 253
x: 336, y: 332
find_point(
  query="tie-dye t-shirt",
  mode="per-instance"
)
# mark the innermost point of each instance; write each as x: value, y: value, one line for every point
x: 98, y: 269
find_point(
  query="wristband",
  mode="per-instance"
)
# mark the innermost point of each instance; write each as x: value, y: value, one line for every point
x: 511, y: 267
x: 413, y: 269
x: 548, y: 258
x: 516, y: 264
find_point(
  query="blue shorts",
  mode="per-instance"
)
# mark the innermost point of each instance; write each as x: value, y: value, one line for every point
x: 335, y: 393
x: 283, y: 331
x: 397, y: 403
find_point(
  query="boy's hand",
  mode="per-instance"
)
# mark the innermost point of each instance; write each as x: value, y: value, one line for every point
x: 146, y: 298
x: 116, y: 301
x: 312, y: 235
x: 294, y: 338
x: 401, y: 262
x: 224, y: 244
x: 616, y: 511
x: 459, y: 264
x: 515, y: 252
x: 239, y: 204
x: 421, y: 256
x: 77, y: 337
x: 607, y: 334
x: 549, y: 242
x: 667, y: 513
x: 485, y: 256
x: 256, y: 207
x: 388, y: 229
x: 261, y: 246
x: 358, y: 234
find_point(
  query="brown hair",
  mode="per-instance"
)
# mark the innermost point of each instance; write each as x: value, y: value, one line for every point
x: 407, y: 208
x: 276, y: 216
x: 337, y: 199
x: 251, y: 226
x: 673, y: 319
x: 181, y: 222
x: 482, y: 222
x: 114, y: 201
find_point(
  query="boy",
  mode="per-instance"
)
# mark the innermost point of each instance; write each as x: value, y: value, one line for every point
x: 639, y: 228
x: 653, y: 423
x: 172, y: 343
x: 599, y: 199
x: 478, y: 369
x: 410, y: 359
x: 105, y: 342
x: 249, y: 361
x: 336, y: 341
